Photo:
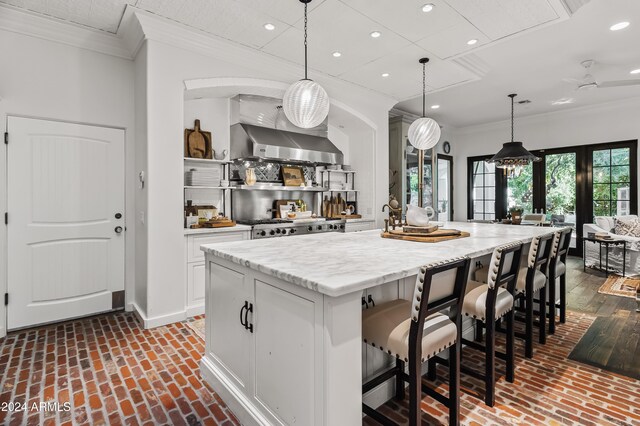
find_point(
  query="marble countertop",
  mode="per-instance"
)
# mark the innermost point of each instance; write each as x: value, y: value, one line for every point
x: 237, y: 228
x: 336, y: 264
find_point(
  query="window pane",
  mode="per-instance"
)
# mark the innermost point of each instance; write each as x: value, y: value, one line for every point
x: 489, y: 206
x: 601, y: 208
x: 520, y: 190
x: 620, y: 174
x: 601, y: 192
x: 478, y: 180
x: 601, y: 174
x: 620, y: 156
x: 477, y: 193
x: 490, y: 167
x: 478, y: 216
x: 490, y: 193
x: 601, y: 158
x: 490, y: 180
x: 478, y: 207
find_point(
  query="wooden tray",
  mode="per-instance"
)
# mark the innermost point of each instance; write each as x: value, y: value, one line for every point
x: 225, y: 223
x: 434, y: 237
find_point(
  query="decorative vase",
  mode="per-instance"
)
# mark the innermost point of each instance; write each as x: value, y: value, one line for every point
x: 250, y: 176
x: 418, y: 216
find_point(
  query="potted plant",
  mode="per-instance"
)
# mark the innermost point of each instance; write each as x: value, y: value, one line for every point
x: 516, y: 215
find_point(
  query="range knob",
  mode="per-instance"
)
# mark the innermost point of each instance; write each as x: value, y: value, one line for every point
x: 330, y: 226
x: 291, y: 231
x: 277, y: 230
x: 263, y: 233
x: 342, y: 226
x: 319, y: 228
x: 272, y: 232
x: 310, y: 228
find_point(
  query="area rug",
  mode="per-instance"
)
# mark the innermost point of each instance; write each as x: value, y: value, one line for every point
x: 197, y: 326
x: 612, y: 344
x: 620, y: 286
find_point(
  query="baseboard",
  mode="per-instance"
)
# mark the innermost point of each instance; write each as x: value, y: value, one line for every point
x: 194, y: 310
x: 159, y: 320
x: 235, y: 399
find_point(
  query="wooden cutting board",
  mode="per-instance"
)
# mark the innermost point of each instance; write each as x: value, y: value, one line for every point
x: 420, y: 230
x: 434, y: 237
x: 220, y: 223
x: 197, y: 144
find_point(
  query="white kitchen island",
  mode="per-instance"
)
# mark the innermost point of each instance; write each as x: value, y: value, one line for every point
x: 283, y: 316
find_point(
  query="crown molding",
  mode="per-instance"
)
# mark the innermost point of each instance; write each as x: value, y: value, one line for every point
x: 52, y: 29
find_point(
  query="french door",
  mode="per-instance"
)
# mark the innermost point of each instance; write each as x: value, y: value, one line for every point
x: 66, y: 220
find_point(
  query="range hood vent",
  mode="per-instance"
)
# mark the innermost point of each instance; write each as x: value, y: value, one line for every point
x: 250, y: 142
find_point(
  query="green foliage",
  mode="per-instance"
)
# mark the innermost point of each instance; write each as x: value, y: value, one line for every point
x: 561, y: 183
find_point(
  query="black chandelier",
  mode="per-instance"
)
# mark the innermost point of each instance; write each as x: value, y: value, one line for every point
x: 512, y: 154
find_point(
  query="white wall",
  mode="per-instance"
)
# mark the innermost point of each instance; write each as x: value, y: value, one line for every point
x: 603, y: 123
x: 139, y: 214
x: 44, y: 79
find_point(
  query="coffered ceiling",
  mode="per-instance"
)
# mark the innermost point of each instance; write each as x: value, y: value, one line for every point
x: 521, y: 45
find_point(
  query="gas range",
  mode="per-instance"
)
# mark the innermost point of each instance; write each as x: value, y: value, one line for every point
x: 271, y: 228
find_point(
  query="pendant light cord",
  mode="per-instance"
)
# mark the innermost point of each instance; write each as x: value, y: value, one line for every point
x: 424, y: 89
x: 512, y: 138
x: 305, y: 41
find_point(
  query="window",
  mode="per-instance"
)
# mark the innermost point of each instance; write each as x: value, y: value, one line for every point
x: 483, y: 185
x: 611, y: 174
x: 520, y: 189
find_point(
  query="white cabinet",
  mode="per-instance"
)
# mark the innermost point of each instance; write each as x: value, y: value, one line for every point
x: 194, y: 264
x: 359, y: 226
x: 266, y: 339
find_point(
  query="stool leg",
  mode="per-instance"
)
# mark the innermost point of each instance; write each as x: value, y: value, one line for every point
x: 510, y: 347
x: 528, y: 343
x: 432, y: 372
x: 454, y: 384
x: 563, y: 297
x: 399, y: 381
x: 542, y: 337
x: 552, y: 302
x: 490, y: 361
x: 478, y: 330
x: 415, y: 391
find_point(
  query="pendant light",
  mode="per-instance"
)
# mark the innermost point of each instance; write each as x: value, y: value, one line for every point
x: 513, y: 155
x: 424, y: 133
x: 305, y: 103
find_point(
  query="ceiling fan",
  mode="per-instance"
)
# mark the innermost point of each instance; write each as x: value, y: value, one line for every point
x: 589, y: 82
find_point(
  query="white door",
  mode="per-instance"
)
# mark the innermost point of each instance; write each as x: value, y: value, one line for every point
x: 66, y: 220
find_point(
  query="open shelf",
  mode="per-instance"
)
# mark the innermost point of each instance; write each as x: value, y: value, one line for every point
x: 258, y: 187
x: 337, y: 171
x: 205, y: 161
x: 207, y: 187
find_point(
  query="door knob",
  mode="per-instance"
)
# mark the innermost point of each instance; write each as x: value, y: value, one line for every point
x: 118, y: 215
x: 118, y: 229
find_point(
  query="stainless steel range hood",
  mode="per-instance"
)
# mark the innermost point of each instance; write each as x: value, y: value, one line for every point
x: 255, y: 142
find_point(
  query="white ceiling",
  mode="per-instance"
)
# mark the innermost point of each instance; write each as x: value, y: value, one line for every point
x: 526, y: 46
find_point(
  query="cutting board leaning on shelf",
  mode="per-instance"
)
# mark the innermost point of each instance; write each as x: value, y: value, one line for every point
x: 197, y: 144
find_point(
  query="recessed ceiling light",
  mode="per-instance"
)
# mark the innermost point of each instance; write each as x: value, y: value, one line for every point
x: 337, y: 54
x: 472, y: 42
x: 635, y: 71
x: 375, y: 34
x: 427, y: 8
x: 619, y: 26
x: 269, y: 27
x: 385, y: 74
x: 435, y: 106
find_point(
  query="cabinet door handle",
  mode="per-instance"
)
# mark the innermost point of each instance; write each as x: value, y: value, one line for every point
x: 364, y: 303
x: 370, y: 300
x: 241, y: 317
x: 246, y: 314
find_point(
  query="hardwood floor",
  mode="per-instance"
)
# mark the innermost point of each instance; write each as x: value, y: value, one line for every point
x: 583, y: 296
x: 613, y: 340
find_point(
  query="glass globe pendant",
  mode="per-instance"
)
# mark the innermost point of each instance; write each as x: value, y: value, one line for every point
x: 305, y: 103
x: 424, y: 133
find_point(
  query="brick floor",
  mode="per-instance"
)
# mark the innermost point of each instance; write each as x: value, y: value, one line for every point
x: 111, y: 371
x: 549, y: 389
